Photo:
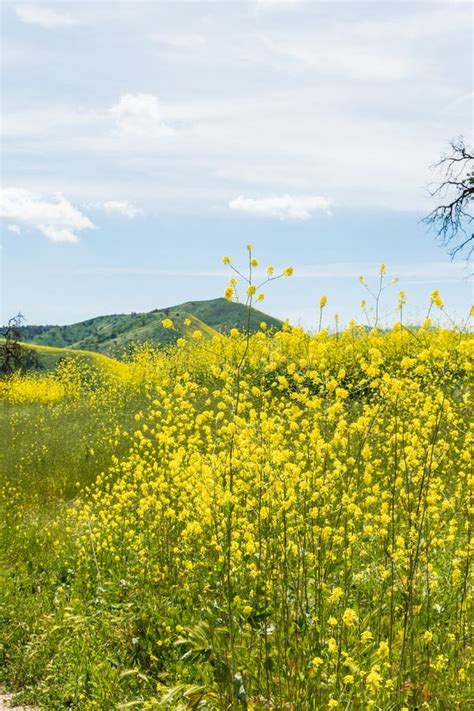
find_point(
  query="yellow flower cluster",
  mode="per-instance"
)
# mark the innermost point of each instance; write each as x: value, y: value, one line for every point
x: 328, y: 500
x: 301, y: 514
x: 436, y: 299
x: 252, y: 290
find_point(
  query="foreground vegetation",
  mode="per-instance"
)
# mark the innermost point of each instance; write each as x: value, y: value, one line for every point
x: 252, y: 521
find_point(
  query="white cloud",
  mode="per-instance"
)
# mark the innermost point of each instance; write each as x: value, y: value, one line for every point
x: 140, y: 115
x: 126, y: 209
x: 361, y: 59
x: 252, y: 118
x: 45, y: 17
x: 14, y: 228
x: 182, y: 42
x: 54, y: 217
x: 283, y: 207
x: 270, y: 4
x: 423, y: 273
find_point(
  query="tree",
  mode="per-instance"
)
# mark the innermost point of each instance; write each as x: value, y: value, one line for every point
x: 451, y: 218
x: 13, y: 354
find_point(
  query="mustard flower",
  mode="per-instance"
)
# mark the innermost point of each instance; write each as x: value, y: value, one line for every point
x: 436, y: 299
x: 349, y: 617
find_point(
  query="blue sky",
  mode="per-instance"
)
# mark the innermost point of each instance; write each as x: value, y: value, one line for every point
x: 141, y: 141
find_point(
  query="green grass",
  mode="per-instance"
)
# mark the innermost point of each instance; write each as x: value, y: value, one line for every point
x: 50, y: 453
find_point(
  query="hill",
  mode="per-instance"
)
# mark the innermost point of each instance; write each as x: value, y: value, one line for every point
x: 113, y: 334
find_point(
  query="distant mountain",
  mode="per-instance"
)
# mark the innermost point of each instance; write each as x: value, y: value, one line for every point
x: 113, y: 334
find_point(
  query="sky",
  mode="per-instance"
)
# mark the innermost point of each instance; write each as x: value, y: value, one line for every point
x: 142, y: 141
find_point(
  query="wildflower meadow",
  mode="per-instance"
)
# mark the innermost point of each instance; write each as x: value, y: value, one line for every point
x: 268, y: 519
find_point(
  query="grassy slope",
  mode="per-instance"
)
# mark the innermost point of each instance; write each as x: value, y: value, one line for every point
x: 112, y: 334
x: 49, y: 356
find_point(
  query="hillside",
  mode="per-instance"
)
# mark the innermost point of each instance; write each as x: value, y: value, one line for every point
x: 114, y: 333
x: 223, y: 315
x: 50, y: 356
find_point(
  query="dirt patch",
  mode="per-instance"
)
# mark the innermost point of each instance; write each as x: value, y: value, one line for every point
x: 5, y: 704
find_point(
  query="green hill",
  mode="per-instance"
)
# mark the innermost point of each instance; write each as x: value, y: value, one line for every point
x: 115, y: 333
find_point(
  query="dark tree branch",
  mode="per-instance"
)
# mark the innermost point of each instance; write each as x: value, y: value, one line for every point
x: 451, y: 219
x: 13, y: 354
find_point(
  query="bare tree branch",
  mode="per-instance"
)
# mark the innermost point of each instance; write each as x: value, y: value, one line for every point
x: 451, y: 219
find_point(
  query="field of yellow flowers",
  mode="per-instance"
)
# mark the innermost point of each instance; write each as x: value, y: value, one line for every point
x: 266, y: 521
